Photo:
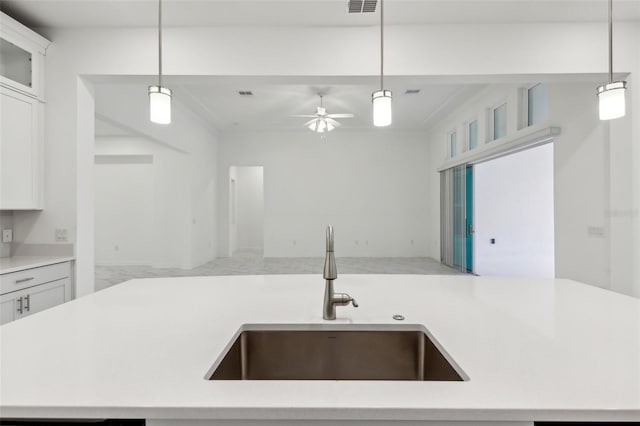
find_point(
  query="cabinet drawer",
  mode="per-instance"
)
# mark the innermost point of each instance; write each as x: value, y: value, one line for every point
x: 22, y: 303
x: 35, y: 276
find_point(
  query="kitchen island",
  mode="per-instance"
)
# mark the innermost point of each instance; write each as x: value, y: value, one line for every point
x: 532, y: 350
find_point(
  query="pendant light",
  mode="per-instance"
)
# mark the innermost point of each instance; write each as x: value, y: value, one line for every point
x: 382, y: 98
x: 611, y: 95
x: 160, y: 97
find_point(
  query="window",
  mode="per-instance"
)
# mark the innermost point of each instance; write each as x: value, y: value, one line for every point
x: 453, y: 144
x: 473, y: 134
x: 499, y: 122
x: 537, y: 104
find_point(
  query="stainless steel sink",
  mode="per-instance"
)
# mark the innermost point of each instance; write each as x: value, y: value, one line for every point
x: 333, y: 353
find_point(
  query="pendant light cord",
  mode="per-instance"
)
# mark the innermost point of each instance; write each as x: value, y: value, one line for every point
x: 382, y: 44
x: 160, y: 43
x: 610, y: 41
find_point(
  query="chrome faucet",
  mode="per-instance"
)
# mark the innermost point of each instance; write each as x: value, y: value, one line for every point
x: 332, y: 299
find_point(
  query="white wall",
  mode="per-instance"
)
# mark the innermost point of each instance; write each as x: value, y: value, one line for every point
x: 581, y: 186
x: 524, y: 49
x: 83, y: 231
x: 181, y: 235
x: 185, y: 173
x: 591, y: 244
x: 250, y: 207
x: 124, y: 208
x: 369, y: 185
x: 513, y: 204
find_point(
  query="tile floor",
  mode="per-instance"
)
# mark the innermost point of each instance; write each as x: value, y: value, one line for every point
x: 252, y: 263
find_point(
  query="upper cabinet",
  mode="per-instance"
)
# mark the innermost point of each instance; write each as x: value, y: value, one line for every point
x: 22, y: 112
x: 22, y: 58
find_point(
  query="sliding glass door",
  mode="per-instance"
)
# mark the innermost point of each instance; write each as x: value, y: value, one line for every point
x: 456, y: 216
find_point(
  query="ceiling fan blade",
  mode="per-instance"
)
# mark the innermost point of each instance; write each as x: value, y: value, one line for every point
x: 340, y: 115
x: 309, y: 122
x: 333, y: 122
x: 304, y: 116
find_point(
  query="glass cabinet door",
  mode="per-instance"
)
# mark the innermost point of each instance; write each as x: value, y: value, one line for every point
x: 15, y: 63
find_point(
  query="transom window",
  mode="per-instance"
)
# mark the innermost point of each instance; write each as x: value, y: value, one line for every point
x: 473, y: 134
x: 453, y: 144
x: 500, y: 121
x: 537, y: 104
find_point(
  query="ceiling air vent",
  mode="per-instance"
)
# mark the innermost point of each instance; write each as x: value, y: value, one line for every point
x: 245, y: 92
x: 361, y: 6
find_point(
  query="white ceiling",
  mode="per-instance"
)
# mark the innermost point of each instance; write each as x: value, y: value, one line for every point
x: 135, y: 13
x: 275, y: 100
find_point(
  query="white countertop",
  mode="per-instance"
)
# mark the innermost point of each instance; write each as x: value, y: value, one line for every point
x: 533, y: 350
x: 20, y: 263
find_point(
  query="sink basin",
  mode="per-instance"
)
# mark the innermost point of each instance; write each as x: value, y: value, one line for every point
x: 299, y: 352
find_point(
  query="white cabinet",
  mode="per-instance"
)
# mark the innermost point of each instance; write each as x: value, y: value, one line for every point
x: 23, y: 52
x: 26, y: 302
x: 21, y: 150
x: 33, y: 290
x: 21, y: 116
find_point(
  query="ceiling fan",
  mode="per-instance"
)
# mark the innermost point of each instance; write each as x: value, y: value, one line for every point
x: 322, y: 122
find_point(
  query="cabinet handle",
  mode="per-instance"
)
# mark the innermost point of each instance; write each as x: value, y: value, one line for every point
x: 27, y: 304
x: 19, y: 302
x: 23, y: 280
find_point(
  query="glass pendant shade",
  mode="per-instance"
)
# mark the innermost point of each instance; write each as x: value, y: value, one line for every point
x: 321, y: 126
x: 160, y: 104
x: 611, y: 100
x: 381, y: 108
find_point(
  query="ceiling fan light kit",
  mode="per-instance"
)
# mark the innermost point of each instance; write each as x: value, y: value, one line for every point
x: 321, y: 121
x: 321, y: 126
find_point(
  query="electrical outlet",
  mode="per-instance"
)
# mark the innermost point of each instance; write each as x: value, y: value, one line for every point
x: 7, y: 235
x: 595, y: 231
x: 61, y: 235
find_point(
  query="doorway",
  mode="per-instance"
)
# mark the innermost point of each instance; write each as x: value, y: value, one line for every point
x: 246, y: 211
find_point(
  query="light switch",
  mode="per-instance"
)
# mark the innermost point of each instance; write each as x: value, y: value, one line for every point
x: 7, y: 235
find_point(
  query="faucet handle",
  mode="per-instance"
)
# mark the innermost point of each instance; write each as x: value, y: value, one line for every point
x: 354, y: 303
